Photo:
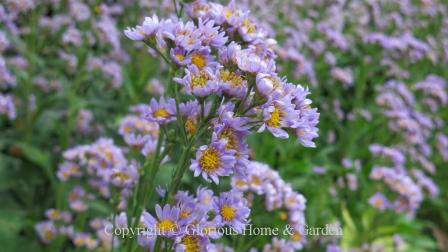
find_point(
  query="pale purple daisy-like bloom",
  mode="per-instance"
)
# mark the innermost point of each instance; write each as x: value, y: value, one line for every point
x: 179, y: 56
x: 228, y: 54
x: 147, y: 241
x: 210, y: 34
x: 231, y: 210
x: 67, y: 170
x: 149, y: 28
x: 379, y: 201
x: 204, y: 198
x: 7, y: 107
x: 191, y: 242
x: 201, y: 57
x: 84, y: 240
x: 279, y: 114
x: 250, y: 62
x: 185, y: 35
x: 125, y: 176
x: 46, y: 231
x: 197, y: 82
x: 268, y: 83
x: 72, y: 36
x: 166, y: 224
x: 79, y: 11
x: 232, y: 83
x: 248, y: 30
x: 213, y: 161
x: 306, y: 129
x: 163, y: 111
x: 7, y: 79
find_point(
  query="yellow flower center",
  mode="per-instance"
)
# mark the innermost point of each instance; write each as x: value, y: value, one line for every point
x: 378, y: 203
x: 198, y: 60
x: 48, y: 235
x: 209, y: 160
x: 256, y: 181
x: 199, y: 80
x: 122, y: 176
x: 161, y: 113
x: 232, y: 141
x: 228, y: 213
x: 232, y: 78
x: 165, y: 226
x: 240, y: 183
x: 191, y: 243
x: 296, y: 237
x: 190, y: 125
x: 184, y: 214
x: 274, y: 121
x: 127, y: 129
x: 228, y: 14
x: 180, y: 57
x: 250, y: 28
x: 55, y: 214
x: 79, y: 242
x: 283, y: 216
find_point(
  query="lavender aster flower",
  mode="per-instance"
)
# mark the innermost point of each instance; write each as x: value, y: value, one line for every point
x: 231, y: 209
x: 161, y: 112
x: 279, y: 114
x: 166, y: 224
x: 7, y: 106
x: 197, y: 82
x: 379, y: 201
x: 213, y: 161
x: 46, y: 231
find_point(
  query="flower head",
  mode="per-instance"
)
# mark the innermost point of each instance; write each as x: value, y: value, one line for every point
x: 231, y: 209
x: 213, y: 161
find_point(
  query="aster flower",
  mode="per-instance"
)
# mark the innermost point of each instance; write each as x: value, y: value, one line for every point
x: 84, y: 240
x: 180, y: 56
x: 67, y: 170
x: 46, y: 231
x: 231, y: 210
x: 167, y: 222
x: 228, y: 54
x: 379, y: 201
x: 279, y: 114
x: 250, y: 62
x: 7, y: 106
x: 201, y: 58
x: 185, y: 35
x: 189, y: 242
x: 213, y: 161
x: 149, y: 28
x: 197, y: 82
x: 191, y: 112
x: 162, y: 111
x: 268, y: 83
x: 125, y: 176
x: 210, y: 34
x: 232, y: 83
x: 204, y: 198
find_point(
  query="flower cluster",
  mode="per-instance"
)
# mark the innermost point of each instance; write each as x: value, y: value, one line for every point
x: 192, y: 221
x: 416, y: 128
x: 224, y: 61
x: 105, y: 165
x: 263, y: 181
x: 410, y: 193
